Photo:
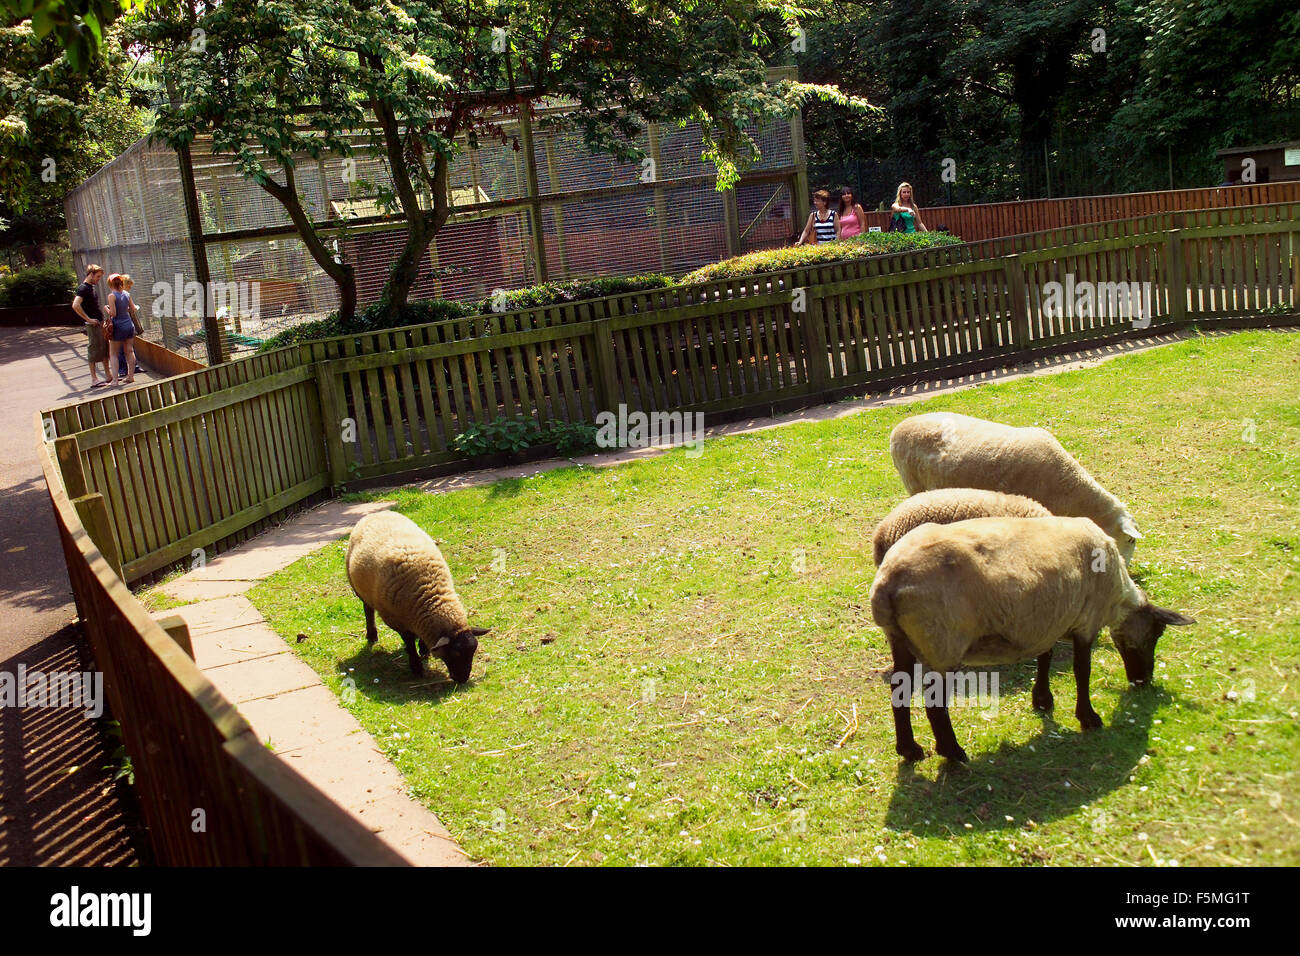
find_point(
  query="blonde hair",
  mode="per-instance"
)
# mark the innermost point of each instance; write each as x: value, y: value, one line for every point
x: 127, y: 282
x: 898, y: 195
x: 93, y: 269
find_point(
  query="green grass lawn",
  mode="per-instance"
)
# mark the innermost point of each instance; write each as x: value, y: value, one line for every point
x: 683, y: 667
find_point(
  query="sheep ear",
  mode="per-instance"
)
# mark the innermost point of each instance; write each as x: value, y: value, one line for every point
x: 480, y: 631
x: 1166, y: 616
x: 442, y: 642
x: 1129, y: 527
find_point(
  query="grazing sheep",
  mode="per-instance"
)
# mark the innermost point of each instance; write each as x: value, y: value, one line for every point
x: 946, y: 450
x: 397, y: 570
x: 946, y: 506
x: 1000, y: 590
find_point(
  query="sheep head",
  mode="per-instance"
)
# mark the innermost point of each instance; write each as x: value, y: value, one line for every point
x: 456, y: 651
x: 1128, y: 536
x: 1136, y: 637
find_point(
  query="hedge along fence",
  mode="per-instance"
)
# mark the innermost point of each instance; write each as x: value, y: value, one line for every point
x: 228, y: 449
x: 190, y: 749
x: 72, y: 418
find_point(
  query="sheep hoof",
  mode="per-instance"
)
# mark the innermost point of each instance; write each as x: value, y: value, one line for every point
x: 1044, y: 702
x: 1089, y: 720
x: 910, y: 751
x: 958, y: 755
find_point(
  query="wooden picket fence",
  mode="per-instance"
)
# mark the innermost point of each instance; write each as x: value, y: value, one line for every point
x: 142, y: 479
x: 990, y: 220
x: 210, y: 793
x: 203, y: 459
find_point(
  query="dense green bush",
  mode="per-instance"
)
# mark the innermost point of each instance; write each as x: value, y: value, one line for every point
x: 574, y: 290
x: 370, y: 319
x: 570, y: 438
x: 373, y: 319
x: 424, y: 311
x: 502, y: 435
x: 516, y: 434
x: 421, y: 312
x: 49, y: 284
x: 792, y: 257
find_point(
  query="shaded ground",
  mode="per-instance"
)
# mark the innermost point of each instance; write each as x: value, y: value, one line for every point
x: 57, y: 802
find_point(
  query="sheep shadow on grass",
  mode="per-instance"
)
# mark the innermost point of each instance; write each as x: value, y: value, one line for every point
x: 383, y: 675
x: 1051, y: 776
x: 507, y: 487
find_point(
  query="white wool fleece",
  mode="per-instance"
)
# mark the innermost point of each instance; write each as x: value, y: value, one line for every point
x: 946, y: 450
x: 396, y: 568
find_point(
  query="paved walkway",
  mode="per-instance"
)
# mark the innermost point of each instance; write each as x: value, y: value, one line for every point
x: 57, y: 803
x: 284, y: 700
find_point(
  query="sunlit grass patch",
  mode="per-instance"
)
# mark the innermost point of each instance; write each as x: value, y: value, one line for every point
x: 683, y: 667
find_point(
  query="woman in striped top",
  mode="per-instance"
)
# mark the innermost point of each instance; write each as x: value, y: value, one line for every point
x: 821, y: 221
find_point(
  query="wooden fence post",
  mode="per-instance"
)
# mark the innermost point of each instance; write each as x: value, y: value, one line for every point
x: 1177, y: 273
x: 69, y: 457
x: 199, y: 250
x: 661, y: 200
x: 1295, y: 269
x: 800, y: 158
x: 1015, y: 277
x: 179, y: 632
x: 94, y: 518
x: 534, y: 191
x: 331, y: 420
x: 607, y: 394
x: 812, y: 321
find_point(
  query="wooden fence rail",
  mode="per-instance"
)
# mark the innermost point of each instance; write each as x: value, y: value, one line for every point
x: 146, y: 478
x: 209, y: 456
x: 210, y: 793
x: 96, y: 411
x: 990, y: 220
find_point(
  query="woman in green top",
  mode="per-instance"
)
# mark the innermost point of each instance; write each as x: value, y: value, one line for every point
x: 906, y: 211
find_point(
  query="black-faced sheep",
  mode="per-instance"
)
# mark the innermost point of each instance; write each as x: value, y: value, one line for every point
x: 946, y: 506
x: 397, y: 570
x: 946, y: 450
x: 1000, y: 590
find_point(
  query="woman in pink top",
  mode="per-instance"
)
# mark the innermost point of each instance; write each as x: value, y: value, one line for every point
x: 851, y: 217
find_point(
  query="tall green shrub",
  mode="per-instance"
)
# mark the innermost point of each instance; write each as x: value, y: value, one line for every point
x: 38, y: 286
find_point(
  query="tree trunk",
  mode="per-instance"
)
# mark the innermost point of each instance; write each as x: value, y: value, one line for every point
x: 421, y: 225
x: 405, y: 271
x: 342, y: 273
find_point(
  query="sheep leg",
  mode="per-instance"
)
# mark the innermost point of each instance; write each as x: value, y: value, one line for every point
x: 372, y: 633
x: 1042, y: 695
x: 900, y: 696
x: 945, y: 741
x: 412, y: 654
x: 1088, y: 718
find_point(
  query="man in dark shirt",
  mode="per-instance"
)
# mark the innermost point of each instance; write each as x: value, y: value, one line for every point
x: 86, y: 305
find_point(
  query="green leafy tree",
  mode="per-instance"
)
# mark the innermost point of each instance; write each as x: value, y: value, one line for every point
x: 1213, y: 74
x: 78, y: 26
x: 58, y: 125
x: 275, y: 82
